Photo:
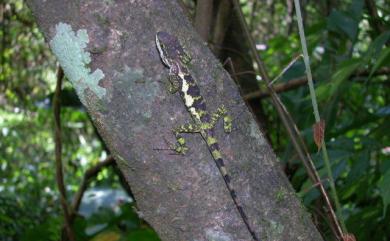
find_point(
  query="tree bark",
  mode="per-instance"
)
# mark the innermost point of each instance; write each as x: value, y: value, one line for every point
x: 182, y: 197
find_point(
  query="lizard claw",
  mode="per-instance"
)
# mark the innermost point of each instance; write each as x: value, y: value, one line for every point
x: 180, y: 150
x: 176, y: 149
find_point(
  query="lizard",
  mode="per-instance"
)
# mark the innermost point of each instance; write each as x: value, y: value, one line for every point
x: 176, y: 59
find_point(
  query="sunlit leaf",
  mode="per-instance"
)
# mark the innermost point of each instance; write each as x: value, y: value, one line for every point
x: 144, y: 234
x: 107, y: 236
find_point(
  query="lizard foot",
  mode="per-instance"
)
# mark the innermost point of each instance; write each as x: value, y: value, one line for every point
x: 176, y: 149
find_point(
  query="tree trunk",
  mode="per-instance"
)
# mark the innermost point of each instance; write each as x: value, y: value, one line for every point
x: 123, y: 88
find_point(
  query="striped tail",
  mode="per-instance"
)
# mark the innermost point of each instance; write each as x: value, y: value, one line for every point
x: 215, y: 152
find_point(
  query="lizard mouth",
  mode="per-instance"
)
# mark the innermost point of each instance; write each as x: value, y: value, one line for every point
x: 161, y: 52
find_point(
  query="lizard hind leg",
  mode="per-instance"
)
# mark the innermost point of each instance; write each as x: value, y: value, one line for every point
x: 180, y: 147
x: 227, y: 120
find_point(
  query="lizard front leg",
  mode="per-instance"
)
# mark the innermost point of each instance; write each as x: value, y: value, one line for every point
x: 180, y: 146
x: 173, y: 83
x: 184, y: 56
x: 227, y: 120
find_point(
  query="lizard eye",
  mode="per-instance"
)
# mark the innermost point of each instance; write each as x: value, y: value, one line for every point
x: 174, y: 68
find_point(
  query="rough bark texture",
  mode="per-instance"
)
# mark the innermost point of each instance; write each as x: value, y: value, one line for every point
x: 183, y: 197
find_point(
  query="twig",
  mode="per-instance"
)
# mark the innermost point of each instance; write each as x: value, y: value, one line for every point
x: 285, y: 69
x: 248, y: 72
x: 282, y: 111
x: 234, y: 75
x: 287, y: 120
x: 315, y: 185
x: 295, y: 83
x: 365, y: 72
x: 317, y: 116
x: 91, y: 172
x: 58, y: 153
x: 229, y: 62
x: 233, y: 51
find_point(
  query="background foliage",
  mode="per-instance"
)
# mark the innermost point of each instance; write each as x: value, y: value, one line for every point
x: 349, y: 46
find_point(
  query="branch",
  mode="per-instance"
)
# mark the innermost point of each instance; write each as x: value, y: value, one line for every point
x: 366, y: 72
x: 298, y: 82
x: 90, y: 173
x: 58, y: 153
x: 290, y: 85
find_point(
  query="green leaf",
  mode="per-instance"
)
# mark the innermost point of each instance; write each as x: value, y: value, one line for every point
x: 359, y: 166
x: 362, y: 224
x: 109, y: 235
x: 327, y: 90
x: 79, y: 226
x: 342, y: 23
x: 49, y: 230
x: 144, y: 234
x: 383, y: 59
x: 128, y: 218
x: 376, y: 46
x: 355, y: 10
x: 384, y: 190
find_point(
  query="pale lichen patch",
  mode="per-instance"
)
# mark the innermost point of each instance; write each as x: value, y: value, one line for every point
x: 217, y: 235
x: 275, y: 230
x: 138, y: 89
x: 255, y: 133
x: 69, y: 48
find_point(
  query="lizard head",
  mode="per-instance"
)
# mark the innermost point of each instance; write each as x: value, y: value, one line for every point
x: 170, y: 49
